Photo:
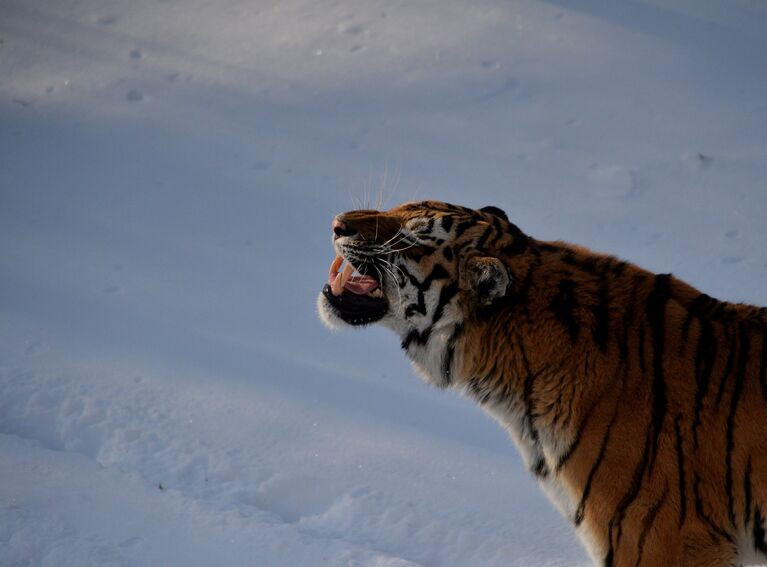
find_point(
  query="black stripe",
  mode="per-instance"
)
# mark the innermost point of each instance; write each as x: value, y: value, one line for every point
x: 527, y: 393
x: 705, y: 357
x: 463, y: 226
x: 702, y: 513
x: 417, y: 337
x: 656, y: 304
x: 747, y: 493
x: 408, y: 340
x: 413, y: 308
x: 732, y: 348
x: 578, y: 518
x: 715, y: 309
x: 680, y: 470
x: 701, y: 306
x: 447, y: 252
x: 514, y: 230
x: 409, y: 276
x: 693, y: 311
x: 574, y: 445
x: 539, y: 468
x: 499, y: 232
x: 602, y: 314
x: 619, y: 267
x: 740, y: 377
x: 759, y: 541
x: 485, y: 235
x: 547, y: 247
x: 447, y: 223
x: 563, y: 415
x: 463, y: 245
x: 686, y: 332
x: 419, y: 307
x: 447, y: 360
x: 564, y: 305
x: 445, y: 295
x: 649, y: 520
x: 589, y: 264
x: 527, y: 282
x: 437, y: 273
x: 628, y: 324
x: 628, y: 499
x: 564, y: 457
x: 763, y: 366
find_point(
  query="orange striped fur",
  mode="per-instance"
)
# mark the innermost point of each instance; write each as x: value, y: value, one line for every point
x: 638, y: 402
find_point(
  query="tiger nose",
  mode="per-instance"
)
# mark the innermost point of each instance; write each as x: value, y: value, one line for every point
x: 340, y: 228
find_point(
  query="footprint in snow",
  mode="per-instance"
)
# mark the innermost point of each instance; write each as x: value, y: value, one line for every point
x: 292, y: 496
x: 612, y: 181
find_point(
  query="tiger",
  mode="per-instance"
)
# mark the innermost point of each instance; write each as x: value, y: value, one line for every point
x: 638, y: 402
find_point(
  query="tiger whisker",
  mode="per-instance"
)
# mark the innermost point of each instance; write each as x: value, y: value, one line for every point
x: 396, y: 234
x: 394, y: 279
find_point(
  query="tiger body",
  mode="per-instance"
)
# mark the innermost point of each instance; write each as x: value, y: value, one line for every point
x: 638, y: 402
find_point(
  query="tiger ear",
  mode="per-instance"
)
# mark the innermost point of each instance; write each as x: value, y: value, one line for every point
x: 495, y: 211
x: 486, y: 278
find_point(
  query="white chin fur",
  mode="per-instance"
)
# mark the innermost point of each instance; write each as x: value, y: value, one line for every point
x: 328, y: 315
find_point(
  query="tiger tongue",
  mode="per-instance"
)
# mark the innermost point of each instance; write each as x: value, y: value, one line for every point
x: 361, y: 284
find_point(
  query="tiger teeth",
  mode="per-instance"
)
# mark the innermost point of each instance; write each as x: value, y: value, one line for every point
x: 376, y: 293
x: 337, y: 261
x: 346, y: 274
x: 337, y: 287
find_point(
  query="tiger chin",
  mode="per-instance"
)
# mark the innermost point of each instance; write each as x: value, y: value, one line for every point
x: 638, y: 402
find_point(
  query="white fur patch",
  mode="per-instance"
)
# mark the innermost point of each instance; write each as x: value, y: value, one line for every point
x: 328, y: 314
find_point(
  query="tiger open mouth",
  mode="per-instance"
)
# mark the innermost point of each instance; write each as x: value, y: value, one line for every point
x: 356, y: 298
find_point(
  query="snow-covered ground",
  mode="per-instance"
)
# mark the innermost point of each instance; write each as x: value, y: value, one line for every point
x: 168, y: 172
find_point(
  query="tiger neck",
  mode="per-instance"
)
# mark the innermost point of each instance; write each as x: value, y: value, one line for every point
x: 445, y: 357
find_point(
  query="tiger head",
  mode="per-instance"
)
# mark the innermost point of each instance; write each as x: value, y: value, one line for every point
x: 424, y: 270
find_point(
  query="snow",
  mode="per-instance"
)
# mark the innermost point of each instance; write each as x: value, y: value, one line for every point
x: 168, y: 172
